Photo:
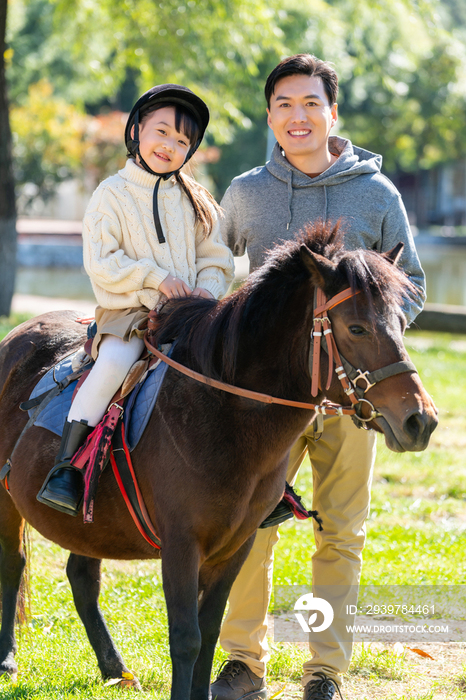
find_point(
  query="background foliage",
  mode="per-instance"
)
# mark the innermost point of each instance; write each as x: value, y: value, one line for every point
x: 48, y: 134
x: 402, y: 66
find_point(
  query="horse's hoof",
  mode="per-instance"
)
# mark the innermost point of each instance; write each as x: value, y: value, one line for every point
x: 9, y: 666
x: 126, y: 681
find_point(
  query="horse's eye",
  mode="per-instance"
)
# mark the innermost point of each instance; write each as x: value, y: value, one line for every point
x: 357, y: 330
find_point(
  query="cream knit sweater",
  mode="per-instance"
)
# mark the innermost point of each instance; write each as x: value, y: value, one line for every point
x: 122, y: 255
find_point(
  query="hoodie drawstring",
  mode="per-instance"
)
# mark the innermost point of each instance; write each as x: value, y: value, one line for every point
x: 290, y: 200
x: 290, y: 197
x: 324, y: 215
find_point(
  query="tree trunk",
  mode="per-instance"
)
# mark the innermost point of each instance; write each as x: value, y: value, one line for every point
x: 7, y: 186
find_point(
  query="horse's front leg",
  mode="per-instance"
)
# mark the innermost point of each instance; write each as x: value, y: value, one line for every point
x: 180, y: 571
x: 84, y: 576
x: 216, y: 583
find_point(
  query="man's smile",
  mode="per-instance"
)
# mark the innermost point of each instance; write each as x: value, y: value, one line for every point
x: 299, y: 132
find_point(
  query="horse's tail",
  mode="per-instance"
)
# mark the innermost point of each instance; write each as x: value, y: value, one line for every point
x: 23, y: 611
x: 23, y: 608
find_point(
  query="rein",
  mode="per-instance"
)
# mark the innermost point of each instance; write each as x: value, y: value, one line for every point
x: 321, y: 328
x: 330, y: 409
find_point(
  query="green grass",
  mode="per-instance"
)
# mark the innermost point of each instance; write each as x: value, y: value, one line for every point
x: 416, y: 534
x: 7, y: 324
x: 377, y: 664
x: 54, y: 656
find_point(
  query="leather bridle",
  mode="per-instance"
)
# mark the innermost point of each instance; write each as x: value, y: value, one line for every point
x: 346, y: 373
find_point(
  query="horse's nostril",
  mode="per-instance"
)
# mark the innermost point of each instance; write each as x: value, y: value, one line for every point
x: 414, y: 425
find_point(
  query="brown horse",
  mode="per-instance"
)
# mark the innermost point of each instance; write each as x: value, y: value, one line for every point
x: 210, y: 465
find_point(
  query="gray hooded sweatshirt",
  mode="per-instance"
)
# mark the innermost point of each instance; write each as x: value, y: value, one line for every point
x: 269, y: 204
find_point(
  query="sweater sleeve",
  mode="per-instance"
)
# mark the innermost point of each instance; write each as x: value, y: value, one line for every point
x: 230, y: 225
x: 395, y: 229
x: 214, y: 261
x: 104, y: 260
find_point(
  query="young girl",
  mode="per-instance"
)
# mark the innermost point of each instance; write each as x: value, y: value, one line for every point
x: 149, y: 233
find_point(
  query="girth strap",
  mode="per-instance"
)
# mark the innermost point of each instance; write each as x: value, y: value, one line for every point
x: 125, y: 476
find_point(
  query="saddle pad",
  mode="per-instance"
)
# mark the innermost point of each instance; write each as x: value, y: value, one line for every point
x: 138, y: 408
x: 54, y: 415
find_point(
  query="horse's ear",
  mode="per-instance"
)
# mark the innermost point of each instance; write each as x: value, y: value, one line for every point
x: 394, y: 254
x: 320, y: 269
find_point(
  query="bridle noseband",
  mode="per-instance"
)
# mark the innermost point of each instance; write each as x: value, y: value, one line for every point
x: 321, y: 331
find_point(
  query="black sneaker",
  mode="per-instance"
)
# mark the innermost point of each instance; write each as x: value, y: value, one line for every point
x: 323, y: 688
x: 236, y: 681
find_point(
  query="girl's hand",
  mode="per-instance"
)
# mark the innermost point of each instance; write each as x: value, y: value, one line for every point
x: 201, y: 292
x: 173, y: 287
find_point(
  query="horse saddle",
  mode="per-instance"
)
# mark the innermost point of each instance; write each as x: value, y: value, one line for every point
x: 141, y: 387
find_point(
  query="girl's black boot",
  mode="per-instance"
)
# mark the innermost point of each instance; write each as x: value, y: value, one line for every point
x: 63, y: 487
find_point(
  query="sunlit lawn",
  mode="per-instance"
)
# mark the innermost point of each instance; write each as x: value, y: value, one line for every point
x: 415, y: 535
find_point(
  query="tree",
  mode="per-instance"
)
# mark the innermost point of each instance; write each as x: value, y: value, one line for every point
x: 89, y: 49
x: 7, y: 189
x: 101, y: 55
x: 402, y: 70
x: 402, y: 81
x: 402, y: 65
x: 49, y: 142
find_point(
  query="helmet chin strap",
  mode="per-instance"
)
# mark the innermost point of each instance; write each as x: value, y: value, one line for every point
x: 161, y: 176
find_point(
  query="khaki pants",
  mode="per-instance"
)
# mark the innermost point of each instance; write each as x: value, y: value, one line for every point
x: 342, y: 461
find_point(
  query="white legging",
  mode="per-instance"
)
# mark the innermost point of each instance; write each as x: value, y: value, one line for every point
x: 115, y: 358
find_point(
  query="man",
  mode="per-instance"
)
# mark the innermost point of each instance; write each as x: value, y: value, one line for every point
x: 311, y: 175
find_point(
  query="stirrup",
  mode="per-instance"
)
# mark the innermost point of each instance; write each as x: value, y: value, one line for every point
x: 68, y: 508
x: 73, y: 437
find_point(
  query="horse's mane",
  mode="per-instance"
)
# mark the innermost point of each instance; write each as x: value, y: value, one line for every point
x: 201, y: 326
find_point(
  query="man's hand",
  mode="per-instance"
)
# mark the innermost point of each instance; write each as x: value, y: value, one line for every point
x: 201, y: 292
x: 173, y: 287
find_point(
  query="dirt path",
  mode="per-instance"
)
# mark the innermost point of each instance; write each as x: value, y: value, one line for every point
x: 26, y: 303
x: 382, y: 674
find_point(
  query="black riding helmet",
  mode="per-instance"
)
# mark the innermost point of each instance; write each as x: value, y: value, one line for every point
x: 170, y: 94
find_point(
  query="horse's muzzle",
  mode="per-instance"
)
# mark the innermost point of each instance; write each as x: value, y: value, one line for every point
x: 419, y: 426
x: 413, y: 434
